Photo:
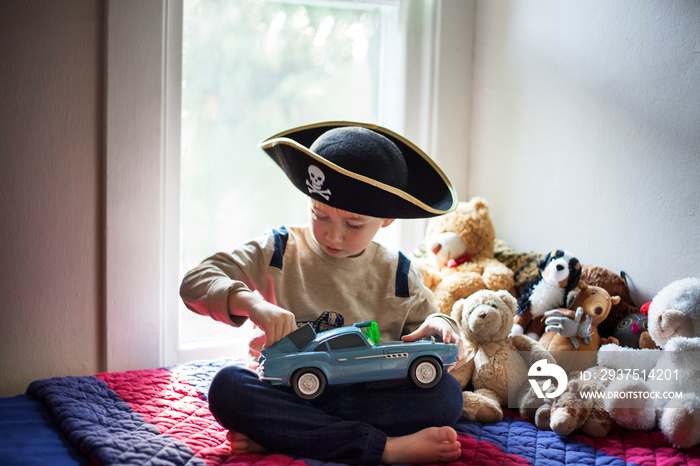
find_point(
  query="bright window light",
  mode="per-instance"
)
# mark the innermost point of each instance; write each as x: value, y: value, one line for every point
x: 252, y: 68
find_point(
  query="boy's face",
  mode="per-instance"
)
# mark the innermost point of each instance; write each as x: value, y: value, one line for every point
x: 341, y: 233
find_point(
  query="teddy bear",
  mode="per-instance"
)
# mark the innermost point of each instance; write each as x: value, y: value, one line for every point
x: 588, y: 307
x: 559, y: 274
x: 460, y: 249
x: 662, y: 387
x: 495, y: 365
x: 580, y: 407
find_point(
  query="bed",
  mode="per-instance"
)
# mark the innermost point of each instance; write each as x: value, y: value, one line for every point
x: 160, y: 416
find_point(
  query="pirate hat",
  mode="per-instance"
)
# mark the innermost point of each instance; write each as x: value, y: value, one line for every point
x: 362, y: 168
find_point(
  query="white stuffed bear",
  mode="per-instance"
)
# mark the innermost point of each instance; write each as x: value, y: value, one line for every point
x: 647, y: 395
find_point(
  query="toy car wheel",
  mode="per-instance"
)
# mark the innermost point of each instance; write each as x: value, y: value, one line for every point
x: 308, y: 383
x: 425, y: 372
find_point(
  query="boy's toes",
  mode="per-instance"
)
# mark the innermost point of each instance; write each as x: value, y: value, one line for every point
x: 450, y: 448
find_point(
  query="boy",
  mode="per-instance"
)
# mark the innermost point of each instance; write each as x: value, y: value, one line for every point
x: 359, y: 179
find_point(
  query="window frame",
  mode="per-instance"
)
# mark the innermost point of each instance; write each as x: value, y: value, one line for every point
x: 141, y: 187
x: 143, y: 57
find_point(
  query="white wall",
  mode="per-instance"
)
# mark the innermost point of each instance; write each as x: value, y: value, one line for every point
x: 585, y: 131
x: 50, y: 190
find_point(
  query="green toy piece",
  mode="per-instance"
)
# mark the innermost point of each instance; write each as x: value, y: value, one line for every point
x: 371, y: 329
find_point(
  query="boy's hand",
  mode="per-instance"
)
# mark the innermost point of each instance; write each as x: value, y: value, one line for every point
x: 440, y: 328
x: 276, y: 322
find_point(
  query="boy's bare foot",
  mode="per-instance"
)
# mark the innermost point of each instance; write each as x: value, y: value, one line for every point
x: 242, y: 444
x: 431, y: 445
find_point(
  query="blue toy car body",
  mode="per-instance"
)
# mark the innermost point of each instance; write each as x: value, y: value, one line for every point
x: 308, y: 361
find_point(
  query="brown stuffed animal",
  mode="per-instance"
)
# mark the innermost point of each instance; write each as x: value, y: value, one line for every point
x: 592, y: 301
x: 616, y: 285
x: 461, y: 258
x: 590, y: 304
x: 571, y: 411
x: 495, y: 364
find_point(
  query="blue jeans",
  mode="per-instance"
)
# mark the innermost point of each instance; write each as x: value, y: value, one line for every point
x: 347, y: 424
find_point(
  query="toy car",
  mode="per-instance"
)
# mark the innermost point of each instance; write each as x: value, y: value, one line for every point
x: 308, y: 361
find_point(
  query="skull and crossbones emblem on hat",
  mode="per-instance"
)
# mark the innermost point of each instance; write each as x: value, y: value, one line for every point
x: 315, y: 182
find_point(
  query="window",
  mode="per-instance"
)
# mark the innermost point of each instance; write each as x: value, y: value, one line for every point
x: 252, y: 69
x: 347, y: 341
x: 323, y: 347
x: 144, y: 49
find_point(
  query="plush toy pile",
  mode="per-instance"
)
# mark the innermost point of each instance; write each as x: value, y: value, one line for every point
x: 519, y: 311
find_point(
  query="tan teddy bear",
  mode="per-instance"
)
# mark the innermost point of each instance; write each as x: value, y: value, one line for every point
x: 495, y: 364
x: 460, y: 246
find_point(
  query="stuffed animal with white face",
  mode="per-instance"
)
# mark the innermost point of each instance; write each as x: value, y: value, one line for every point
x: 447, y: 247
x: 559, y: 274
x: 645, y: 402
x: 460, y: 247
